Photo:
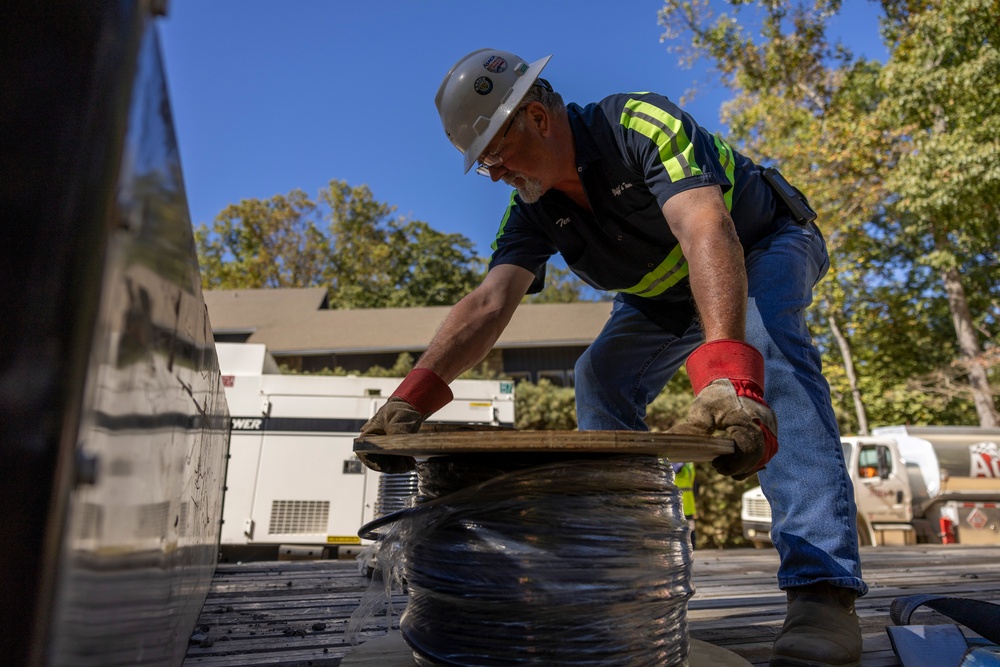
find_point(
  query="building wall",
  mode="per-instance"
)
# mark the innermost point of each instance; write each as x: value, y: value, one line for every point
x: 356, y: 363
x: 532, y: 364
x: 535, y: 363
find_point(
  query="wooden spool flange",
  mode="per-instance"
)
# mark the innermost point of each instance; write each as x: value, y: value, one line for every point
x: 443, y: 443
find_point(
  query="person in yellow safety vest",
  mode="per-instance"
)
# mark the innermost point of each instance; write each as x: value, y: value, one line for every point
x: 684, y: 479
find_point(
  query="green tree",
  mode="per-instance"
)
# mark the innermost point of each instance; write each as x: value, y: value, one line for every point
x: 399, y: 369
x: 349, y: 242
x: 942, y: 87
x: 263, y: 243
x: 544, y: 406
x: 819, y: 111
x: 382, y: 261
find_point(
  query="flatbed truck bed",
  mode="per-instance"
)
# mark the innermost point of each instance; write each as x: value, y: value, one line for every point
x: 294, y: 613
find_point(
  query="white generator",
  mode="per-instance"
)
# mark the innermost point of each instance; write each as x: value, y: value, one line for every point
x: 294, y: 488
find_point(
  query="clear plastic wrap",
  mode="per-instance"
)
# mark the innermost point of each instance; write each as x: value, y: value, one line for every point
x: 540, y: 560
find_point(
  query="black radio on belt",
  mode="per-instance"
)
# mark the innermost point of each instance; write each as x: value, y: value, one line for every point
x: 790, y: 195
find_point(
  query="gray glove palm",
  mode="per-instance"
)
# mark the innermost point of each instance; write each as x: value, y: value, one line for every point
x: 728, y: 380
x: 749, y: 423
x: 396, y: 417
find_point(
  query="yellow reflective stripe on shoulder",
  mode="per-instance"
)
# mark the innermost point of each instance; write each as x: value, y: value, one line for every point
x: 728, y: 161
x: 670, y: 272
x: 506, y: 217
x: 675, y: 147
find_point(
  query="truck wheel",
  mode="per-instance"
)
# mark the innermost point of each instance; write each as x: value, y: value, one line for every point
x: 864, y: 537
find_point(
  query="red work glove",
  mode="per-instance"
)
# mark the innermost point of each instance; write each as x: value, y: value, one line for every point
x: 420, y: 394
x: 728, y: 381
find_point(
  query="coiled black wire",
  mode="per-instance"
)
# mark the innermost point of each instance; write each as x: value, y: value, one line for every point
x: 540, y: 560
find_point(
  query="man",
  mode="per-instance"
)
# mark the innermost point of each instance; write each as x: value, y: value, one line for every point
x: 710, y: 265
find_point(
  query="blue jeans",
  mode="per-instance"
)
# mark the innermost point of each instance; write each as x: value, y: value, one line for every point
x: 806, y: 483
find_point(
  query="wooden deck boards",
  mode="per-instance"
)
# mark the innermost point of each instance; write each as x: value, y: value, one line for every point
x: 294, y: 613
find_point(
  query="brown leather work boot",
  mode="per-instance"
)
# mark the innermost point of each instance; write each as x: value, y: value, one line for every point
x: 821, y: 629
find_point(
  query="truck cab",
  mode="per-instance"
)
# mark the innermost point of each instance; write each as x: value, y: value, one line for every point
x: 883, y: 492
x: 925, y: 484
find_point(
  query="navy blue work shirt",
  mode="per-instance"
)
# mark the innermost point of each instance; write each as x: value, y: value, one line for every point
x: 634, y: 152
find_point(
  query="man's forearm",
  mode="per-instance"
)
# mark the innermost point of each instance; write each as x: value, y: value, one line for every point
x: 719, y: 283
x: 702, y: 225
x: 465, y: 337
x: 475, y: 323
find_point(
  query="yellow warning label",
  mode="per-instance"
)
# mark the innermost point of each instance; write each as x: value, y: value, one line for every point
x: 343, y: 539
x: 480, y: 405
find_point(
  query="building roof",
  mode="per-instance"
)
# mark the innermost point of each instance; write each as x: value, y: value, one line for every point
x: 245, y: 310
x: 298, y: 321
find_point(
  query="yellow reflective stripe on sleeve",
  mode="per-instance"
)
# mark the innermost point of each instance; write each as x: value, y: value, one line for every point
x: 675, y: 147
x: 670, y: 272
x: 728, y: 161
x: 506, y: 217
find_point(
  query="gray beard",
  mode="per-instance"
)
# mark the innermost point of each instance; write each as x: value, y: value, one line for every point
x: 530, y: 189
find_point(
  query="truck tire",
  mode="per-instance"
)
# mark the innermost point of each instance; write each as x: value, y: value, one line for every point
x: 864, y: 535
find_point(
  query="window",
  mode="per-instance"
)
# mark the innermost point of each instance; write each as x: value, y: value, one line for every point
x: 231, y: 336
x: 874, y: 461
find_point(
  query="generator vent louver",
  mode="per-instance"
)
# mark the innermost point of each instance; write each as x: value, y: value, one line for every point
x: 395, y: 492
x: 297, y: 517
x: 758, y: 508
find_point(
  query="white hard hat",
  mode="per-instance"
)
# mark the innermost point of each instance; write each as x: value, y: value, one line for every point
x: 479, y: 94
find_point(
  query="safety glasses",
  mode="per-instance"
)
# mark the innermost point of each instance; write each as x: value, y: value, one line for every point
x: 493, y: 159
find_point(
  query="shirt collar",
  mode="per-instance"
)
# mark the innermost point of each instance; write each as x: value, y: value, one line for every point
x: 586, y: 148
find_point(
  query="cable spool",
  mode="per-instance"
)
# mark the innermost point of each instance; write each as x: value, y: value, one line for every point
x: 542, y: 559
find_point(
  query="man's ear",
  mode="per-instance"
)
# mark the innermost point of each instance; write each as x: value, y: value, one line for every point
x: 538, y: 116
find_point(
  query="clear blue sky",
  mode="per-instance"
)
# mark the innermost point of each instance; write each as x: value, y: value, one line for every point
x: 269, y: 96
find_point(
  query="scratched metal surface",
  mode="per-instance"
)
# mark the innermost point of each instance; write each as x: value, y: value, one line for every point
x: 139, y: 542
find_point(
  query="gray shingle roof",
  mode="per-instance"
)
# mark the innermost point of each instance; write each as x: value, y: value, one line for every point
x: 296, y: 321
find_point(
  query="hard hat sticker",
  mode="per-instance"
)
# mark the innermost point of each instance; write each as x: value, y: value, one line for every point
x: 495, y: 64
x: 483, y: 85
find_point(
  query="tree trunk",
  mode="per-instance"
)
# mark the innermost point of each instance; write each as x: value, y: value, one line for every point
x: 968, y: 343
x: 845, y: 352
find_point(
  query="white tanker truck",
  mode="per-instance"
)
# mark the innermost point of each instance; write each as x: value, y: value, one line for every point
x: 913, y: 485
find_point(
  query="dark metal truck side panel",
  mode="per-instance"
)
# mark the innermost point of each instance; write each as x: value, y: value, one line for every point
x: 114, y: 423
